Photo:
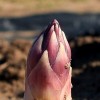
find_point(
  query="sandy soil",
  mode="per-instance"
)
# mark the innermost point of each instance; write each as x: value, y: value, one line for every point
x: 28, y: 7
x: 85, y: 63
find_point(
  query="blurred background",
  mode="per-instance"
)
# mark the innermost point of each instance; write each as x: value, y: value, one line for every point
x: 20, y: 23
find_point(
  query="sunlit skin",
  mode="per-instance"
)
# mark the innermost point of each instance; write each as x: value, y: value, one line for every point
x: 48, y: 73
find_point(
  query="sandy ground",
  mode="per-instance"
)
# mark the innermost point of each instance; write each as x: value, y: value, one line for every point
x: 28, y: 7
x: 85, y: 64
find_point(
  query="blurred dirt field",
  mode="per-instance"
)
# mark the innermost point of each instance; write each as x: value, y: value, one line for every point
x: 26, y: 7
x: 85, y: 63
x: 15, y: 44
